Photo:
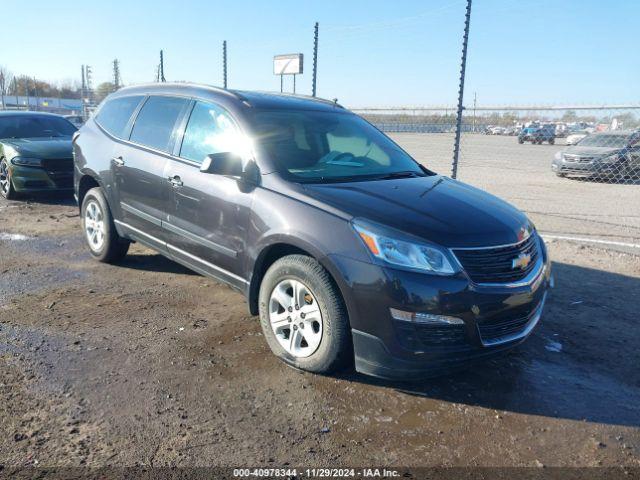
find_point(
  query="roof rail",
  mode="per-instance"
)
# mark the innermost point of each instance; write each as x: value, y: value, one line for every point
x: 298, y: 95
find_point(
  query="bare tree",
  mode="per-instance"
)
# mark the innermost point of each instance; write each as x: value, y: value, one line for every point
x: 5, y: 80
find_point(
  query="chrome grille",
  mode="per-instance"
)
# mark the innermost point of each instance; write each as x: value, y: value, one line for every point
x: 578, y: 159
x: 495, y: 265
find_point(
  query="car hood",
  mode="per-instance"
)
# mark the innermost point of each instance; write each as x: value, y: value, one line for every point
x: 591, y: 151
x: 435, y: 208
x: 58, y: 147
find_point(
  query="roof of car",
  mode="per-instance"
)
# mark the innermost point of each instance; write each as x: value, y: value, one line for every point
x: 255, y: 99
x: 23, y: 113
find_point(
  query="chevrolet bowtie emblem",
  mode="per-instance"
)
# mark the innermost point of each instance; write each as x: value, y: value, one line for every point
x: 521, y: 261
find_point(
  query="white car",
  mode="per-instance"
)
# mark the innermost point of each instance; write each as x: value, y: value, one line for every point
x: 575, y: 137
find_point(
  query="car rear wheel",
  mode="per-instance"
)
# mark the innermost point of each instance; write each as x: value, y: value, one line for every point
x: 99, y: 230
x: 552, y: 141
x: 303, y: 316
x: 6, y: 185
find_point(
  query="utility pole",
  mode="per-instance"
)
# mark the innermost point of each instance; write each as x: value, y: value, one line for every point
x: 117, y: 82
x: 161, y: 67
x: 86, y: 91
x: 475, y: 104
x: 83, y: 88
x: 224, y: 64
x: 315, y: 61
x: 88, y: 82
x: 463, y: 67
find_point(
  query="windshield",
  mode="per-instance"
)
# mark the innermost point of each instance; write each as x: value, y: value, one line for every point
x: 611, y: 141
x: 23, y: 126
x: 321, y: 147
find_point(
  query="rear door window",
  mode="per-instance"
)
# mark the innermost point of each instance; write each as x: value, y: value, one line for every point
x: 156, y: 121
x: 115, y: 114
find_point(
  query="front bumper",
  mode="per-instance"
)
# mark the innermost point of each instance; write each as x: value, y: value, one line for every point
x: 37, y: 179
x: 587, y: 169
x: 495, y: 318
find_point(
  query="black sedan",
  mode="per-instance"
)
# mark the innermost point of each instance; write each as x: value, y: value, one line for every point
x: 35, y: 153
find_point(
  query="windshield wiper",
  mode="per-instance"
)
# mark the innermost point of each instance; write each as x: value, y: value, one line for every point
x: 404, y: 174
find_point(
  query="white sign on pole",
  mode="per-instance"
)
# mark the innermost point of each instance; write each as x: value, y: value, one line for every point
x: 288, y: 64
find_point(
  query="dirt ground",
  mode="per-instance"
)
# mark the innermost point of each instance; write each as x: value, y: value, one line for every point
x: 146, y: 363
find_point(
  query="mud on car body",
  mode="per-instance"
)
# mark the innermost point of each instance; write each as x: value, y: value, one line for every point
x: 347, y: 248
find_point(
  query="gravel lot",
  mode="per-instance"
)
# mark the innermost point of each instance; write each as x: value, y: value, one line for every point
x: 146, y: 363
x: 522, y: 175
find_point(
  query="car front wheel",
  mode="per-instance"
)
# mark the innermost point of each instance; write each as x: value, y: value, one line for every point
x: 6, y: 186
x: 303, y: 316
x: 99, y: 230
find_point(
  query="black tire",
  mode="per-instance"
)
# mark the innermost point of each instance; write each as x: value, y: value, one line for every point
x: 520, y: 141
x: 335, y: 350
x: 6, y: 189
x: 561, y: 175
x: 113, y: 247
x: 552, y: 141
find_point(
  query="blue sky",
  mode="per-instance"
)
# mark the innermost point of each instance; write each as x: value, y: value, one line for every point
x: 403, y: 52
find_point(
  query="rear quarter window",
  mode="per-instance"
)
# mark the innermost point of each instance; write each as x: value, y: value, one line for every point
x: 115, y: 114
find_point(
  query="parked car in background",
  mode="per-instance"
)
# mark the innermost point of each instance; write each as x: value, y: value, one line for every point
x: 347, y: 248
x: 538, y: 134
x: 512, y: 131
x: 494, y: 130
x: 562, y: 130
x: 606, y: 155
x: 576, y: 136
x: 76, y: 120
x: 35, y: 153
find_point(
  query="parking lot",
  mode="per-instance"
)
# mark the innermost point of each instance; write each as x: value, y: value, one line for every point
x: 522, y: 175
x: 147, y: 363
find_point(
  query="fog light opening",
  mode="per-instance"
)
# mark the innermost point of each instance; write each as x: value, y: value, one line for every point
x: 425, y: 318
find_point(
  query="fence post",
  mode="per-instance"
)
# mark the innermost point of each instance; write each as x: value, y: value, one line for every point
x: 224, y: 63
x: 315, y: 61
x: 463, y: 66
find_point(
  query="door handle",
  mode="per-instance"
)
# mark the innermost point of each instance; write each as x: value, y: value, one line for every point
x: 119, y: 161
x: 175, y: 181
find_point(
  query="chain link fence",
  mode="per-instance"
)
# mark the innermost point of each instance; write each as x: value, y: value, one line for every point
x: 574, y: 170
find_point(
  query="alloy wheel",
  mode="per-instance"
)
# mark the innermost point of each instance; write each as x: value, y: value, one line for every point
x: 94, y: 226
x: 295, y: 318
x: 4, y: 178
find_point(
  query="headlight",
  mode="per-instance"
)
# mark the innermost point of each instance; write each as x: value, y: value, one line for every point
x: 559, y: 155
x: 405, y: 254
x: 26, y: 161
x: 610, y: 158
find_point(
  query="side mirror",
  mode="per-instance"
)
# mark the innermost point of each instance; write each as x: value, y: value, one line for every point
x: 227, y: 163
x: 224, y: 163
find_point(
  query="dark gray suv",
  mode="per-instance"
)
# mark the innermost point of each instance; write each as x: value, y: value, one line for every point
x: 345, y: 246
